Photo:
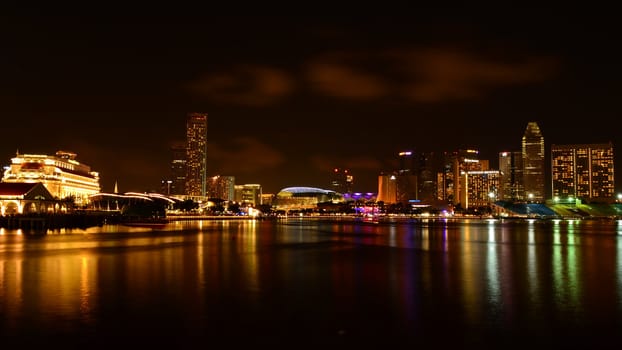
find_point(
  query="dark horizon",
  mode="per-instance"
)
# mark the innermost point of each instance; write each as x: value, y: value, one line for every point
x: 290, y: 98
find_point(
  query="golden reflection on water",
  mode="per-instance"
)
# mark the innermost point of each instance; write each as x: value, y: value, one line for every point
x: 87, y: 288
x: 471, y: 286
x: 484, y: 265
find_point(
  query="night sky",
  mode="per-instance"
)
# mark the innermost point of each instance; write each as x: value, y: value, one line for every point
x: 290, y: 98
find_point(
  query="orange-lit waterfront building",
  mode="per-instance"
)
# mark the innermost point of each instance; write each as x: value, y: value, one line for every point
x: 61, y: 174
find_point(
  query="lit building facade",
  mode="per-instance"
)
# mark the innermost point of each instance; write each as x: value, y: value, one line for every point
x: 248, y: 194
x: 61, y: 174
x: 196, y: 155
x: 450, y: 179
x: 298, y: 198
x: 222, y: 187
x: 533, y: 163
x: 582, y: 171
x: 28, y: 198
x: 481, y: 187
x: 267, y: 198
x: 511, y: 168
x: 387, y: 188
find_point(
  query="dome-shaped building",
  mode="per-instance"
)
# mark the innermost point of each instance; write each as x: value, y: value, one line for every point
x: 296, y: 198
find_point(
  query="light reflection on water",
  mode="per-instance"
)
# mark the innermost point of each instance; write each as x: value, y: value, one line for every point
x: 473, y: 278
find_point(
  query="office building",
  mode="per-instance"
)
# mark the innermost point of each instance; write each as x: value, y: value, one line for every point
x: 582, y: 171
x: 177, y: 186
x: 196, y: 155
x: 511, y: 172
x: 387, y: 188
x: 428, y: 165
x: 341, y: 181
x: 533, y: 163
x: 480, y: 188
x: 248, y: 194
x: 450, y: 179
x: 221, y: 187
x: 406, y: 178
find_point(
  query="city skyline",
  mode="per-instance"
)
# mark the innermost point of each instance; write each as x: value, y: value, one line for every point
x: 291, y: 99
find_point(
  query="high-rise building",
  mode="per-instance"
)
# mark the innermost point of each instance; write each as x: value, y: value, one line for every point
x: 222, y: 187
x: 582, y: 171
x: 406, y: 177
x: 480, y: 187
x: 427, y: 166
x: 341, y: 181
x: 177, y: 185
x: 196, y: 155
x: 511, y: 181
x: 533, y: 163
x: 387, y: 188
x: 455, y: 165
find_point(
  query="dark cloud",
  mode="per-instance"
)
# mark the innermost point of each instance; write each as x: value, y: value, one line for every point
x: 422, y: 75
x: 344, y: 81
x: 444, y: 74
x: 250, y: 85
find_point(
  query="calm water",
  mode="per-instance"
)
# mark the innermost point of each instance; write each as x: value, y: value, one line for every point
x: 294, y: 282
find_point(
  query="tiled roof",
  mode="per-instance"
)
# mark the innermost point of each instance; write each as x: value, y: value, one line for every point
x: 15, y: 188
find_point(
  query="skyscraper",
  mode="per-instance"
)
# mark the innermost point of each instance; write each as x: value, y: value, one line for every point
x: 428, y: 164
x: 456, y: 164
x: 533, y: 163
x: 387, y: 188
x: 222, y: 187
x: 196, y: 154
x: 583, y: 171
x: 511, y: 172
x: 406, y: 177
x: 480, y: 187
x: 178, y: 169
x: 341, y: 181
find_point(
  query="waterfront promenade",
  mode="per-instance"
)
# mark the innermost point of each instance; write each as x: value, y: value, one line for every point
x: 41, y: 223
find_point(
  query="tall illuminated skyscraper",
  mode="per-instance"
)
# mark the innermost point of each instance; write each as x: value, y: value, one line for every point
x: 582, y: 171
x: 450, y: 179
x: 533, y: 163
x: 196, y: 154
